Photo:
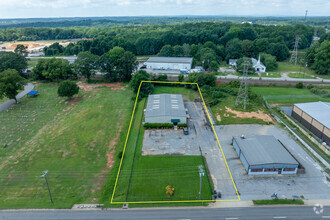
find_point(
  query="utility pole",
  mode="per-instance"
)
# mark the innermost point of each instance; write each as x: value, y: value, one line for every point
x: 294, y: 53
x: 242, y: 97
x: 201, y: 174
x: 45, y: 176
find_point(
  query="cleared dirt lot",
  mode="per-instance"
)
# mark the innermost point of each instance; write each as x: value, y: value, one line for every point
x: 311, y: 185
x: 164, y: 142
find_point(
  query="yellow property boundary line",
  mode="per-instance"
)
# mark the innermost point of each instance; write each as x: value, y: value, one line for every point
x: 129, y: 129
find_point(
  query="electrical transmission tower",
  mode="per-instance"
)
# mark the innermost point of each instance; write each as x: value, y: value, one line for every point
x: 242, y: 97
x: 306, y: 14
x: 294, y: 53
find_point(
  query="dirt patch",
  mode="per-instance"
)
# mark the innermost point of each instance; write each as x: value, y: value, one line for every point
x: 218, y: 117
x: 259, y: 114
x: 90, y: 87
x: 75, y: 100
x: 33, y: 45
x: 110, y: 160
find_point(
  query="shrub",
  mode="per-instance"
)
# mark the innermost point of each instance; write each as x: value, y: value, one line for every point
x: 310, y: 86
x: 182, y: 125
x: 68, y: 89
x: 169, y: 190
x: 299, y: 85
x: 157, y: 125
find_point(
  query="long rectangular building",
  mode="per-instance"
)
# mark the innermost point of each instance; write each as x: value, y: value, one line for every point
x: 315, y: 116
x: 165, y: 108
x: 264, y: 154
x: 169, y: 63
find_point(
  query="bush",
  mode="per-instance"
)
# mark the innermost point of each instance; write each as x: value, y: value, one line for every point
x: 68, y: 89
x: 182, y: 125
x: 169, y: 190
x: 299, y: 85
x: 310, y: 86
x: 157, y: 125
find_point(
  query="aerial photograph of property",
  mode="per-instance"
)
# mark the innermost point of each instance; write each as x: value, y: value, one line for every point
x: 178, y: 110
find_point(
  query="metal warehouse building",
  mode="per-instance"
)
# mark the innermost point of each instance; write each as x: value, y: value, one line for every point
x: 264, y: 154
x: 315, y: 116
x: 165, y: 108
x: 169, y: 63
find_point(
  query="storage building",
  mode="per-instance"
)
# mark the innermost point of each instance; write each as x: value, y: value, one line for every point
x: 169, y: 63
x: 165, y: 108
x: 315, y: 116
x: 264, y: 154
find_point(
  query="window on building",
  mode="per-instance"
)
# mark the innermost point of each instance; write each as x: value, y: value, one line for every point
x: 289, y: 169
x: 256, y: 170
x: 270, y: 170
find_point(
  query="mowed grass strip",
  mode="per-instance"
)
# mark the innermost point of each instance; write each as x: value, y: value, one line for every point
x: 278, y: 202
x: 74, y: 141
x: 282, y: 95
x: 151, y: 174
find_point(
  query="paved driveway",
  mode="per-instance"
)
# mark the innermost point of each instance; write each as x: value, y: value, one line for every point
x: 27, y: 88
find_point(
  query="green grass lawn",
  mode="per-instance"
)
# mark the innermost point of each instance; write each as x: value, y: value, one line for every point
x: 32, y: 63
x: 300, y: 76
x: 187, y: 94
x: 151, y: 174
x: 283, y: 95
x: 75, y: 141
x: 250, y: 74
x: 271, y: 74
x: 288, y: 67
x: 278, y: 202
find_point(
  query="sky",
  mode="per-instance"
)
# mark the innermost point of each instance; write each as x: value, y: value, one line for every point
x: 98, y: 8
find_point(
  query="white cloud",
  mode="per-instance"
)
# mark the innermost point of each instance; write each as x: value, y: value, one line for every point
x: 57, y: 8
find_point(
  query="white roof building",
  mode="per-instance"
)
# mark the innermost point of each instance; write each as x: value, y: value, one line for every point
x: 258, y: 65
x: 169, y: 63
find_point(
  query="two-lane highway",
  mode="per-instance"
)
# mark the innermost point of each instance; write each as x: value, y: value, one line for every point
x: 252, y: 213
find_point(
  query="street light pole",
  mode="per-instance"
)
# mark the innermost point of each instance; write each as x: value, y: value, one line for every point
x: 201, y: 174
x: 45, y: 176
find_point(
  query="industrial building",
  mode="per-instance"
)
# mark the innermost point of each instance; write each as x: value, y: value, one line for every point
x: 169, y: 63
x: 315, y: 116
x: 264, y: 154
x: 165, y: 108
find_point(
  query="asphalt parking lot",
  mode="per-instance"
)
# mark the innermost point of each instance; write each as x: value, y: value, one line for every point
x: 311, y: 185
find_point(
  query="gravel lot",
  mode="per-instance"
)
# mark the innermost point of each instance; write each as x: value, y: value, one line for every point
x: 311, y: 185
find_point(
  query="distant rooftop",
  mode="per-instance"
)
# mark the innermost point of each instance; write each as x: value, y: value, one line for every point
x: 165, y: 105
x: 170, y: 60
x: 320, y: 111
x: 264, y: 149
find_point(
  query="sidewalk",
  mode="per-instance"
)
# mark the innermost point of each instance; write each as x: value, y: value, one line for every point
x: 27, y: 88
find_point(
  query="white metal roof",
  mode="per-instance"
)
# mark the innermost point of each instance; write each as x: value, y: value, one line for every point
x: 165, y: 105
x: 264, y: 149
x: 187, y: 60
x: 320, y: 111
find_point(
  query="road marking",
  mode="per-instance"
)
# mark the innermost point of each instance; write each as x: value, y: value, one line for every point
x: 325, y: 216
x: 231, y: 218
x: 280, y: 217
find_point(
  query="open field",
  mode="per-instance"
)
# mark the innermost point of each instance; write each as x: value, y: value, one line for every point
x: 144, y: 178
x: 300, y: 76
x: 283, y: 95
x: 75, y: 141
x: 226, y: 113
x: 288, y: 67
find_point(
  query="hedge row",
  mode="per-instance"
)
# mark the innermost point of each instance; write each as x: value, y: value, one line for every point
x: 182, y: 125
x: 158, y: 125
x: 162, y: 125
